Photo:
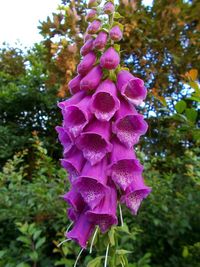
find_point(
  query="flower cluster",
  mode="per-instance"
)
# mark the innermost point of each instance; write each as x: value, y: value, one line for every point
x: 100, y: 127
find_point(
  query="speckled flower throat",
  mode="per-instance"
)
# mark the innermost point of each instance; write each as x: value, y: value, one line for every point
x: 100, y: 127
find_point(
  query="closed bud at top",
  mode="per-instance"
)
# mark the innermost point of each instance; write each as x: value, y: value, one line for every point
x: 92, y: 79
x: 109, y: 8
x: 93, y: 3
x: 94, y: 27
x: 87, y: 47
x: 115, y: 33
x: 87, y: 37
x: 100, y: 41
x: 91, y: 15
x: 110, y: 59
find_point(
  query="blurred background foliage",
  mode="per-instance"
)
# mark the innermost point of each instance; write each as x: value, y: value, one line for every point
x: 161, y: 46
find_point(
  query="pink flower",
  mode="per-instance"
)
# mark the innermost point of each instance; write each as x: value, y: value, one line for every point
x: 109, y: 8
x: 129, y: 125
x: 94, y: 141
x: 104, y: 215
x: 76, y: 117
x: 110, y: 59
x: 94, y: 27
x: 124, y: 165
x: 131, y: 88
x: 87, y: 63
x: 74, y: 163
x: 92, y: 79
x: 100, y: 41
x: 135, y: 193
x: 87, y: 47
x: 91, y: 15
x: 104, y: 102
x: 74, y: 84
x: 81, y: 231
x: 92, y: 183
x: 115, y: 33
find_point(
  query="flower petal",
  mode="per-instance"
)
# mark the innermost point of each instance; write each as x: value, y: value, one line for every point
x: 94, y: 141
x: 104, y: 102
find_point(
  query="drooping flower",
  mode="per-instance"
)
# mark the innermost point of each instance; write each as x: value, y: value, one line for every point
x: 74, y: 199
x: 82, y: 230
x: 77, y: 116
x: 104, y: 214
x: 94, y: 27
x: 105, y: 102
x: 74, y: 84
x: 115, y: 33
x: 94, y: 141
x: 92, y: 79
x: 110, y: 59
x: 100, y: 41
x: 71, y: 101
x: 109, y: 8
x: 87, y: 47
x: 92, y: 183
x: 135, y: 193
x: 129, y: 125
x: 74, y: 163
x: 86, y: 64
x: 72, y: 214
x: 124, y: 165
x: 131, y: 88
x: 65, y: 139
x: 87, y: 37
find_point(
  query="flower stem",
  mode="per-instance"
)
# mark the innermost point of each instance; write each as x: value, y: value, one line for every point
x: 78, y: 257
x: 93, y: 238
x: 106, y: 257
x: 121, y: 215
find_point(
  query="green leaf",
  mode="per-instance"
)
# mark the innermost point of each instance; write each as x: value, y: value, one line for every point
x: 34, y: 256
x: 185, y: 252
x: 96, y: 262
x: 195, y: 86
x: 119, y: 24
x: 23, y: 264
x: 123, y: 252
x: 191, y: 114
x: 180, y: 106
x: 40, y: 242
x: 194, y: 98
x: 36, y: 234
x: 24, y: 239
x: 123, y: 228
x: 64, y: 262
x: 2, y: 253
x: 117, y: 15
x: 111, y: 236
x: 23, y: 228
x: 117, y: 47
x: 112, y: 75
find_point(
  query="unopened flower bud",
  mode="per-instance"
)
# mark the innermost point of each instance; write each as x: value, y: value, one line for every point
x: 100, y: 41
x: 87, y: 47
x: 91, y: 15
x: 116, y: 33
x: 109, y: 8
x: 94, y: 27
x: 110, y: 59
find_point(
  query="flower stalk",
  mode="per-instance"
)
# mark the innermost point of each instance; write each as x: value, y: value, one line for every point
x: 101, y: 126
